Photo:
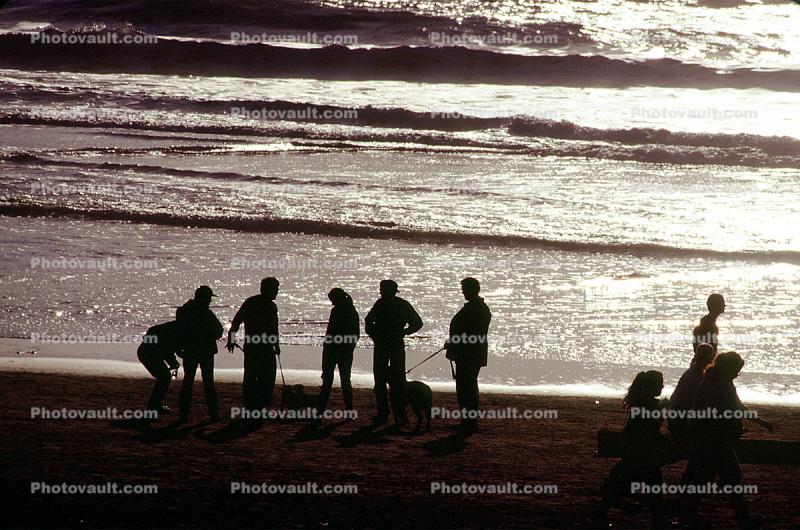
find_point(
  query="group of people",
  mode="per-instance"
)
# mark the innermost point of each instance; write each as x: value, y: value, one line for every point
x: 194, y: 333
x: 704, y: 427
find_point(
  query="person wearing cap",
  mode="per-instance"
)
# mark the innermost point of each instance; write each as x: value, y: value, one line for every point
x: 259, y: 314
x: 707, y: 332
x: 201, y: 329
x: 387, y: 324
x: 467, y: 346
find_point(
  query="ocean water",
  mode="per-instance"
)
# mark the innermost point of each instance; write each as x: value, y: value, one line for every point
x: 600, y: 185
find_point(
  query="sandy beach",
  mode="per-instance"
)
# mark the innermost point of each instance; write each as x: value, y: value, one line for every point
x: 194, y: 465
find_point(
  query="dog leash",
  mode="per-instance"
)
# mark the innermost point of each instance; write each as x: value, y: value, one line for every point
x: 281, y: 367
x: 431, y: 356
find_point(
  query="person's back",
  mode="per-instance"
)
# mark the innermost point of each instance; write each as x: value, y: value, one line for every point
x: 200, y: 327
x: 343, y: 328
x: 716, y: 394
x: 389, y: 318
x: 643, y: 431
x: 707, y: 331
x: 469, y: 330
x: 259, y: 314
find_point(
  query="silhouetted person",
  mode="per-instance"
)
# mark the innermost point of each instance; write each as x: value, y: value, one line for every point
x: 467, y: 346
x: 201, y: 329
x: 712, y: 440
x: 341, y: 337
x: 707, y: 332
x: 682, y: 397
x: 643, y: 449
x: 259, y: 314
x: 157, y: 354
x: 387, y: 323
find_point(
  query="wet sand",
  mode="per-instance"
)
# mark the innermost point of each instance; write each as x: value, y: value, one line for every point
x: 194, y: 465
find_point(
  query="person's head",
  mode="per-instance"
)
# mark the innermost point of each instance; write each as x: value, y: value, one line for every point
x: 388, y: 288
x: 716, y: 304
x: 203, y: 295
x: 726, y: 367
x: 339, y: 297
x: 470, y: 287
x: 269, y: 287
x: 703, y: 355
x: 646, y: 386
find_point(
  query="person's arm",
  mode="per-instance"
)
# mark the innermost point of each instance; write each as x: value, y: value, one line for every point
x: 764, y: 424
x: 235, y: 323
x: 369, y: 323
x: 276, y: 332
x: 413, y: 319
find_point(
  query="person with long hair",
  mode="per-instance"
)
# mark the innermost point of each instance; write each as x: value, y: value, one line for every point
x: 643, y: 448
x: 341, y: 337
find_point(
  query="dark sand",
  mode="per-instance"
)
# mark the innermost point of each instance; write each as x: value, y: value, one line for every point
x: 194, y: 465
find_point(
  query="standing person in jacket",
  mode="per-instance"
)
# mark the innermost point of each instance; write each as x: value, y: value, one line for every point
x: 467, y: 346
x: 644, y: 448
x: 389, y: 321
x: 157, y: 354
x: 200, y: 329
x: 712, y: 440
x: 259, y: 314
x: 341, y: 337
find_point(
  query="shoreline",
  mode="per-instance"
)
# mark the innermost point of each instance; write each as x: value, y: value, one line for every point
x: 119, y: 360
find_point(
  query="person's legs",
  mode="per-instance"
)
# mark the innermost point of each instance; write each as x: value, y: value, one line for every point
x: 328, y: 365
x: 250, y: 381
x: 158, y: 369
x: 467, y: 392
x: 397, y: 383
x: 190, y: 364
x: 380, y: 373
x: 210, y: 391
x: 730, y: 474
x: 345, y: 363
x: 267, y: 377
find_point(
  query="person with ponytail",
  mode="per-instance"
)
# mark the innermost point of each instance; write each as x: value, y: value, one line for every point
x: 341, y: 337
x: 713, y: 435
x: 643, y: 448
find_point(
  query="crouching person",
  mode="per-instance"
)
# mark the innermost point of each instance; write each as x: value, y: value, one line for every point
x: 157, y: 354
